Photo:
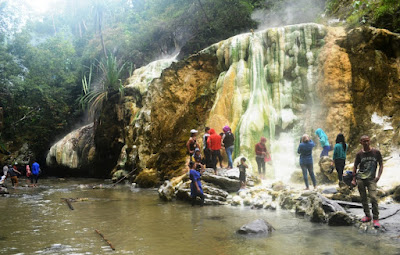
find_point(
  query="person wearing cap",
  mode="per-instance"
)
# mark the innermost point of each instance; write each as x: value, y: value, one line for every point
x: 228, y: 142
x: 191, y: 144
x: 197, y: 158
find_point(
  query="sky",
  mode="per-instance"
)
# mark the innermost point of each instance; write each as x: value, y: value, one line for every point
x: 40, y: 6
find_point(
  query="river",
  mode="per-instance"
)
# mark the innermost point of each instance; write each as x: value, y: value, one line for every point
x: 136, y: 221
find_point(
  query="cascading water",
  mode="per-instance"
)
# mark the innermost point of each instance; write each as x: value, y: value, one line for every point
x: 266, y: 89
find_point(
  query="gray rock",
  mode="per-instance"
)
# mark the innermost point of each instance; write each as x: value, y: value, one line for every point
x: 166, y: 191
x: 257, y: 227
x: 3, y: 190
x: 340, y: 219
x: 332, y: 190
x: 225, y: 183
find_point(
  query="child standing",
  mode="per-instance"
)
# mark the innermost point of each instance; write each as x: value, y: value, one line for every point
x: 242, y: 172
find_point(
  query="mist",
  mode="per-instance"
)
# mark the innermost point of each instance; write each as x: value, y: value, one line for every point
x: 289, y: 12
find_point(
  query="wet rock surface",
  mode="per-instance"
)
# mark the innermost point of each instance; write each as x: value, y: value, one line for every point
x: 257, y: 227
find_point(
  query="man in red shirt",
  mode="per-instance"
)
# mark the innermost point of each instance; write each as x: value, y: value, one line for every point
x: 214, y: 143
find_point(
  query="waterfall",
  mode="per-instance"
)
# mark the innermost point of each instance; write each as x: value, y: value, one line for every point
x: 266, y: 89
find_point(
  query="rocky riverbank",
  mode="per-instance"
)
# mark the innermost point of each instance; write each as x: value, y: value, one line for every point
x: 327, y: 204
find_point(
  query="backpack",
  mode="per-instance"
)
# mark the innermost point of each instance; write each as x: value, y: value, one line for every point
x: 228, y: 140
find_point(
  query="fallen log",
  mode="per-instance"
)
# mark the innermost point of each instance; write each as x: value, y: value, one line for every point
x: 67, y: 200
x: 105, y: 239
x: 131, y: 172
x: 354, y: 204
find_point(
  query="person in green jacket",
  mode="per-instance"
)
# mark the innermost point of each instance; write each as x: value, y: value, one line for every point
x: 339, y: 155
x: 323, y: 139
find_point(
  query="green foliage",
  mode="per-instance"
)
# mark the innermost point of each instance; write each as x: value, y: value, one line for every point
x: 110, y: 82
x: 378, y: 13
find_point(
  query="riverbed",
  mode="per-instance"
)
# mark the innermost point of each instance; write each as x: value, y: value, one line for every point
x: 135, y: 221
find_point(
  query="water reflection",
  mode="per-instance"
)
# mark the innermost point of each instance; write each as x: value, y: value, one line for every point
x: 38, y: 221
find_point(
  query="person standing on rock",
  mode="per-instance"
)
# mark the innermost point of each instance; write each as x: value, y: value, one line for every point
x: 323, y: 139
x: 242, y: 172
x: 228, y: 141
x: 367, y: 160
x: 339, y: 156
x: 214, y: 143
x: 206, y: 150
x: 195, y: 186
x: 261, y: 155
x: 306, y: 160
x: 191, y: 144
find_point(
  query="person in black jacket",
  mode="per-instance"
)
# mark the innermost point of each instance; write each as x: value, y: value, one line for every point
x: 228, y: 140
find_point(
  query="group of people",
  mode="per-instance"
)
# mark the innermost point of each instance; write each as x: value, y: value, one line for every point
x: 363, y: 175
x: 13, y: 172
x: 306, y: 161
x: 212, y: 145
x: 364, y: 170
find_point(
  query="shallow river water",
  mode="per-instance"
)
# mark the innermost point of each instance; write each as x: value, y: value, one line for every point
x: 38, y: 221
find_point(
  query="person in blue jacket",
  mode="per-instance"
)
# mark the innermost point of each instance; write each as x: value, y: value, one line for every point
x: 306, y: 160
x: 323, y: 139
x: 35, y: 173
x: 195, y: 186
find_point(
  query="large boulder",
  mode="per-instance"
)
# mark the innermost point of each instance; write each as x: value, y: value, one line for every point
x: 257, y: 227
x: 147, y: 178
x: 224, y: 183
x: 326, y: 168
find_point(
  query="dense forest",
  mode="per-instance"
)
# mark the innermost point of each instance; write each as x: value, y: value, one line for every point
x: 56, y: 67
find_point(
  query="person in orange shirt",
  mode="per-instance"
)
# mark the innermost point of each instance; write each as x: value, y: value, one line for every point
x: 214, y: 143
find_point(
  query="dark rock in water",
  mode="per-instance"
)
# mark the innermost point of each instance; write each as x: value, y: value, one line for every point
x: 330, y: 205
x: 3, y: 190
x: 340, y: 219
x: 396, y: 194
x: 332, y: 190
x: 257, y: 227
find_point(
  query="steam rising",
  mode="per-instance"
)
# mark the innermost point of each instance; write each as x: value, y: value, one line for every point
x: 289, y: 12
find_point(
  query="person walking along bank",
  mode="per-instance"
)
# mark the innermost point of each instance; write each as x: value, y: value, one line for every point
x: 367, y: 160
x: 35, y: 173
x: 306, y: 160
